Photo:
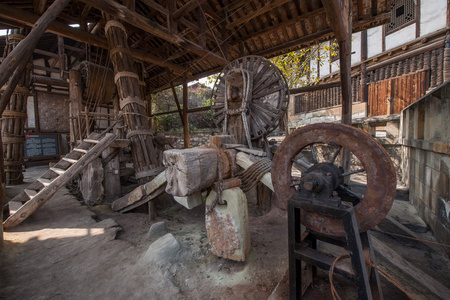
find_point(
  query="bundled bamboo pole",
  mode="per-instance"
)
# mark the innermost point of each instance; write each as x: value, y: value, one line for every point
x: 131, y: 104
x: 13, y: 118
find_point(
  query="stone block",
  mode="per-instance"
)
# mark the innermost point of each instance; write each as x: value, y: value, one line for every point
x: 434, y: 179
x: 427, y: 181
x: 157, y: 229
x: 426, y: 196
x: 190, y: 201
x: 434, y: 202
x: 162, y: 251
x: 392, y: 129
x: 227, y: 225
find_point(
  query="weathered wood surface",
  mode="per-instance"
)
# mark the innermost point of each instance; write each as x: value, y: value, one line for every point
x: 221, y: 140
x: 91, y: 185
x: 140, y: 195
x: 70, y: 170
x: 113, y: 189
x: 13, y: 118
x: 409, y: 269
x: 131, y: 103
x: 17, y: 15
x: 190, y: 170
x: 24, y: 50
x: 244, y: 161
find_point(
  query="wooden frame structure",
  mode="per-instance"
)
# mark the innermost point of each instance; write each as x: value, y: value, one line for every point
x: 183, y: 40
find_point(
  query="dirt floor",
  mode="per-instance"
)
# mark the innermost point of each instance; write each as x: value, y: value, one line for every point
x: 69, y: 251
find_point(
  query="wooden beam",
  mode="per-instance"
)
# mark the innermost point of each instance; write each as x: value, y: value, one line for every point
x: 28, y: 19
x: 49, y: 81
x: 338, y: 14
x: 268, y: 7
x: 39, y: 6
x: 314, y: 88
x: 340, y: 20
x: 175, y: 96
x: 24, y: 50
x: 187, y: 8
x: 283, y: 24
x: 46, y: 53
x: 187, y: 143
x: 123, y: 13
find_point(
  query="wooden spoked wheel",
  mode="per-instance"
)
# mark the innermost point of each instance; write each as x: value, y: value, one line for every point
x: 268, y: 100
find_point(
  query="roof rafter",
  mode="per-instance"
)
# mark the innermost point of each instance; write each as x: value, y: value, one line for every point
x: 139, y: 21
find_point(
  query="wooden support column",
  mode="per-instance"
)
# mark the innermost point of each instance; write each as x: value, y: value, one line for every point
x: 177, y: 102
x: 187, y: 143
x: 131, y: 104
x: 364, y: 88
x: 75, y: 105
x: 2, y: 192
x: 62, y: 57
x: 339, y: 18
x: 14, y: 116
x: 24, y: 51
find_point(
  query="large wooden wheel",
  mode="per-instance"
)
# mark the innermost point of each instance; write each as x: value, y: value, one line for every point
x: 269, y: 95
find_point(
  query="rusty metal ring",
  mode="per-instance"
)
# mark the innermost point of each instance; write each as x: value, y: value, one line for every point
x: 381, y: 175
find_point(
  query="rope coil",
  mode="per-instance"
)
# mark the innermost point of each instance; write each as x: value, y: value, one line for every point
x: 254, y: 173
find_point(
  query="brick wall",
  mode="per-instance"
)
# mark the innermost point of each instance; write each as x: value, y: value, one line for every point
x: 425, y: 133
x: 53, y: 112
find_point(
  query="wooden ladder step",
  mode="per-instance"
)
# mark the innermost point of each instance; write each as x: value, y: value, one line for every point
x: 30, y: 193
x: 58, y: 171
x: 48, y: 187
x: 44, y: 181
x: 91, y: 141
x: 71, y: 160
x: 80, y: 150
x: 14, y: 206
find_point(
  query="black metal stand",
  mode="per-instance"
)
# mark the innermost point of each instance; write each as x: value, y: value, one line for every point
x: 306, y: 249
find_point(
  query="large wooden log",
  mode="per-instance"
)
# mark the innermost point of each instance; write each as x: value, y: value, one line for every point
x: 131, y: 103
x: 191, y: 170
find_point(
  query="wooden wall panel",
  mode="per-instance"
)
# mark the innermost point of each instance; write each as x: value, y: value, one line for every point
x: 391, y: 96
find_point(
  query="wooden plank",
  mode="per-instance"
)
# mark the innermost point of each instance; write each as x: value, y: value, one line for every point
x: 262, y: 10
x: 409, y: 269
x: 186, y: 8
x: 34, y: 204
x: 140, y: 193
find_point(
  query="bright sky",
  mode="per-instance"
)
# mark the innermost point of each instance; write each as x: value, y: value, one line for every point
x: 2, y: 32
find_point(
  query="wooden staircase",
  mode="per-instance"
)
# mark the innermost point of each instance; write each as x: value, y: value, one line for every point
x: 37, y: 193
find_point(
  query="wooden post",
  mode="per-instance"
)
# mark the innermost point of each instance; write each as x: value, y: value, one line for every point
x: 14, y: 116
x: 24, y: 50
x: 75, y: 96
x: 339, y: 16
x: 187, y: 143
x: 111, y: 170
x: 364, y: 88
x: 2, y: 192
x: 131, y: 104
